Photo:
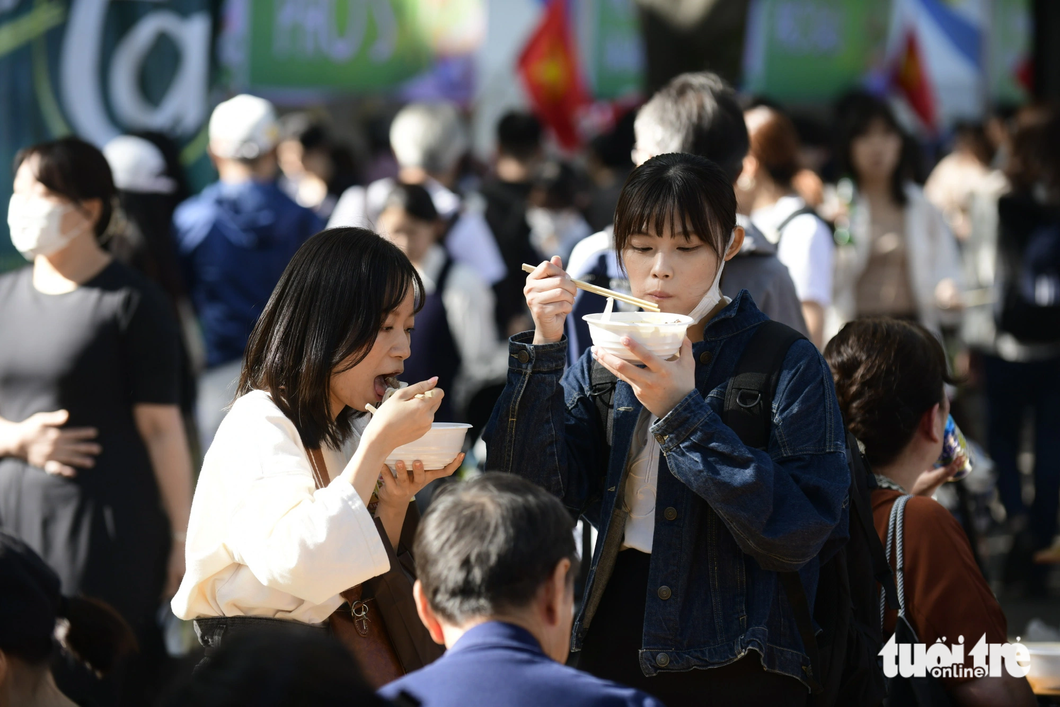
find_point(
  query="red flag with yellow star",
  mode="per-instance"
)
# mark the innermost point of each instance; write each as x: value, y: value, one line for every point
x: 549, y: 67
x: 912, y: 79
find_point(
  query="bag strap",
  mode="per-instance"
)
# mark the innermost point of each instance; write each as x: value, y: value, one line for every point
x: 749, y: 395
x: 320, y: 468
x: 806, y: 210
x: 896, y: 532
x: 602, y: 390
x: 749, y: 413
x: 862, y: 507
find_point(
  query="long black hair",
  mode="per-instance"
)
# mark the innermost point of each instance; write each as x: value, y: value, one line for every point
x: 688, y: 191
x: 323, y: 318
x: 75, y: 170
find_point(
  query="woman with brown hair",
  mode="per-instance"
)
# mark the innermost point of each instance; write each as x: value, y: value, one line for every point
x: 889, y: 378
x: 765, y: 191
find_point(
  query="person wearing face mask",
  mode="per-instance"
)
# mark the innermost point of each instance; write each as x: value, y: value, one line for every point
x: 684, y: 597
x: 901, y: 259
x: 95, y: 472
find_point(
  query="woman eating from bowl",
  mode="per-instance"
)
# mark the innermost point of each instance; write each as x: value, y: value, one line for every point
x: 264, y: 542
x: 683, y: 597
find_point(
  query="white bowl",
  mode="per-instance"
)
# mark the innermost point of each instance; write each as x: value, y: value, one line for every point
x: 1044, y: 676
x: 436, y: 449
x: 659, y: 332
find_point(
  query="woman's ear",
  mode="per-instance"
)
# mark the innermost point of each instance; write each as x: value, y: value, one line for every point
x: 929, y: 425
x: 92, y: 209
x: 427, y: 615
x: 737, y: 243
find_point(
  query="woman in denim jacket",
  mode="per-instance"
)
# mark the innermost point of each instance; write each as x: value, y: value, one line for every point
x: 693, y: 525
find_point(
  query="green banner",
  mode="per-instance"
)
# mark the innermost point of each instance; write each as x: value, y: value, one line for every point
x: 812, y: 50
x: 1010, y: 51
x: 618, y: 50
x: 98, y: 69
x: 337, y: 45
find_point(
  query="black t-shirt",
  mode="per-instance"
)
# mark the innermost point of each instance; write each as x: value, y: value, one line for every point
x: 96, y: 351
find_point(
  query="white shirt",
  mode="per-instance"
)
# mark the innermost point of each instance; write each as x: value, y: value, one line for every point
x: 642, y: 485
x: 469, y: 304
x: 262, y: 540
x: 807, y: 248
x: 469, y: 241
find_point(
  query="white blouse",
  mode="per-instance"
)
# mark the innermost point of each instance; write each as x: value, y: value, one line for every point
x: 262, y: 540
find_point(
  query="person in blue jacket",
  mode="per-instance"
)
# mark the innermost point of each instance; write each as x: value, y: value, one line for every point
x: 683, y: 598
x: 234, y: 240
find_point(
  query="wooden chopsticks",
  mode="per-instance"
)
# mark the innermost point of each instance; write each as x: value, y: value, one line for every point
x: 604, y: 292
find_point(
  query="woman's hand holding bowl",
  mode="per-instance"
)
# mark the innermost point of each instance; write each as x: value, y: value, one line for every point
x: 661, y: 384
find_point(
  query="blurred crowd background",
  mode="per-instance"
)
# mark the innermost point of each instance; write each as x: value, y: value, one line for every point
x: 482, y: 134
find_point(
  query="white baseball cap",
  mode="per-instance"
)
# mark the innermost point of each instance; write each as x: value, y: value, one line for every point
x: 243, y: 127
x: 138, y: 166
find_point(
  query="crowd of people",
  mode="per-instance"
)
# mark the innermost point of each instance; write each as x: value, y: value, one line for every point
x: 197, y: 398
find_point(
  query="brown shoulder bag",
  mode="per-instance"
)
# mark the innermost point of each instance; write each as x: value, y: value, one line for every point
x: 379, y: 623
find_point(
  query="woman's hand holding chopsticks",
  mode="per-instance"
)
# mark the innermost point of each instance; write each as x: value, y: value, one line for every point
x: 549, y: 293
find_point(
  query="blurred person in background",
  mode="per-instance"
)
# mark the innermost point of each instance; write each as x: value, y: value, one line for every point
x: 958, y: 176
x: 765, y: 191
x: 31, y: 604
x: 456, y: 336
x: 497, y: 562
x: 695, y: 113
x: 608, y: 163
x: 95, y: 472
x: 519, y: 155
x: 901, y: 259
x: 556, y: 223
x: 316, y: 670
x: 148, y: 195
x: 234, y: 239
x: 315, y: 171
x: 429, y: 141
x: 1014, y: 257
x: 890, y: 377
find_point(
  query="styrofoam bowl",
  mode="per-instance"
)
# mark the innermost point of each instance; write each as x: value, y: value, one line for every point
x: 1044, y: 676
x: 436, y: 449
x: 659, y: 332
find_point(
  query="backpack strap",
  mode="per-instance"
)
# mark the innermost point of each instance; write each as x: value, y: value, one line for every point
x: 602, y: 390
x: 749, y: 413
x: 749, y: 396
x: 862, y: 507
x: 804, y: 211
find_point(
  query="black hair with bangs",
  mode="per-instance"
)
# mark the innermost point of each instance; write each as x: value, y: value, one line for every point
x: 683, y: 189
x: 322, y: 319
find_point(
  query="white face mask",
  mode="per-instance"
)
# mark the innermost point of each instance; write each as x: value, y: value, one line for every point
x: 36, y: 225
x: 713, y: 296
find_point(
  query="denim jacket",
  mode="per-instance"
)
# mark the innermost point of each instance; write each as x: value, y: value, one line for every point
x: 734, y: 516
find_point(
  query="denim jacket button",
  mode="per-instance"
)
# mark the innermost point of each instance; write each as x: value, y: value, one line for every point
x: 670, y: 513
x: 664, y: 594
x: 662, y: 660
x: 522, y: 357
x: 706, y: 357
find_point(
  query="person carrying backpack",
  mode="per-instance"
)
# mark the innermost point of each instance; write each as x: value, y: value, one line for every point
x: 705, y: 542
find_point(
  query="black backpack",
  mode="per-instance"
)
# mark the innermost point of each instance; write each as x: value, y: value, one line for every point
x: 845, y: 667
x: 1029, y: 269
